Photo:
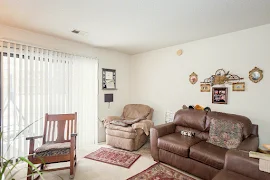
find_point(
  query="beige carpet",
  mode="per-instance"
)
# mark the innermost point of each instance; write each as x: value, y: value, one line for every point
x: 87, y: 169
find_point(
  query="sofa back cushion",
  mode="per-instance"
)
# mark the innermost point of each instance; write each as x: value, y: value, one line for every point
x: 133, y: 111
x: 199, y: 134
x: 191, y: 119
x: 247, y: 125
x: 225, y: 133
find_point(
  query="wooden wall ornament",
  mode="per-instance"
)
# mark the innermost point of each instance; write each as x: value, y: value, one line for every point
x: 205, y: 87
x: 256, y: 75
x: 222, y: 77
x: 193, y: 78
x: 240, y: 86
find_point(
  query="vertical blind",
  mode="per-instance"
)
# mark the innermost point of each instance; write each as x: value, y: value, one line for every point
x: 34, y: 81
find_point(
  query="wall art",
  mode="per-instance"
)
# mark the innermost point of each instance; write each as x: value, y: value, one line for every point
x: 220, y: 95
x: 256, y: 75
x: 222, y: 77
x: 108, y: 79
x: 193, y: 78
x: 205, y: 87
x: 240, y: 86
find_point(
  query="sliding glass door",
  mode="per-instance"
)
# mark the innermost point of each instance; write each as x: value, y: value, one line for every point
x: 35, y: 81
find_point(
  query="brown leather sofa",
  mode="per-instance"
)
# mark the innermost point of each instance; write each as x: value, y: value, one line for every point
x: 239, y: 166
x: 193, y: 154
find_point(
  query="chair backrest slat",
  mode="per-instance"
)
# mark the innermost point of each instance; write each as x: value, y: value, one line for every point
x: 58, y: 124
x: 67, y: 129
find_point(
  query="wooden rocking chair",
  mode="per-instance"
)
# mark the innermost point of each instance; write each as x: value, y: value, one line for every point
x: 55, y: 150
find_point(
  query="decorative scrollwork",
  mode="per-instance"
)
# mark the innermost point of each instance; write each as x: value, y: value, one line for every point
x: 222, y: 77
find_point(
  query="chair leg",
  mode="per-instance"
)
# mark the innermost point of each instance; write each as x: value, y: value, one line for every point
x: 75, y: 160
x: 29, y: 172
x: 71, y: 168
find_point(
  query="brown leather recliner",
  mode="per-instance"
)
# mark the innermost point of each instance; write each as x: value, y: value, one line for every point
x: 132, y: 137
x: 193, y: 154
x: 239, y: 166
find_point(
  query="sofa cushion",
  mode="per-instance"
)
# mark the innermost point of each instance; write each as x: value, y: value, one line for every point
x: 247, y: 129
x: 229, y: 175
x: 199, y: 134
x: 177, y: 143
x: 225, y: 133
x: 208, y: 154
x: 190, y: 118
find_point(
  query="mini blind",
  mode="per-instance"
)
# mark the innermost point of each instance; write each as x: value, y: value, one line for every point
x: 34, y: 81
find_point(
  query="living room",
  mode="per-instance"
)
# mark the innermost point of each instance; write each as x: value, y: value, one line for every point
x: 158, y: 54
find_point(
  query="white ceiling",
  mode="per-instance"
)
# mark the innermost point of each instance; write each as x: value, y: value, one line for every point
x: 135, y: 26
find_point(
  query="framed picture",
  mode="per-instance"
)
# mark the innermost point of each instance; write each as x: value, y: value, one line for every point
x: 220, y: 95
x: 205, y: 87
x: 193, y: 78
x: 240, y: 86
x: 108, y: 79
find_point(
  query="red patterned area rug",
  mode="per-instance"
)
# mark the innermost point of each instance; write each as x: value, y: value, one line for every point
x: 159, y: 171
x: 115, y: 157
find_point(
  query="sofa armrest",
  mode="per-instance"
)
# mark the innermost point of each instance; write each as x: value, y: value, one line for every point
x: 249, y: 144
x: 155, y: 133
x: 240, y: 162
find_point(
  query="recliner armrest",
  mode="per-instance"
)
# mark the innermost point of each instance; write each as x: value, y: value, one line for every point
x: 155, y: 133
x: 249, y: 144
x: 239, y: 161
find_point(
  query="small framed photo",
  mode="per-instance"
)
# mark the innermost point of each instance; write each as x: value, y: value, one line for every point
x: 240, y: 86
x: 205, y: 87
x: 220, y: 95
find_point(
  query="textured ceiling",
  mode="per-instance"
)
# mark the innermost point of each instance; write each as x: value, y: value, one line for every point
x: 135, y: 26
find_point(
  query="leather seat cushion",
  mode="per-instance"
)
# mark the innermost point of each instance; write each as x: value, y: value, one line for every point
x: 229, y: 175
x: 208, y: 154
x: 177, y: 143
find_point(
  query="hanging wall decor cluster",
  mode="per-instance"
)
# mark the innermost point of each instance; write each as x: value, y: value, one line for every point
x: 222, y: 77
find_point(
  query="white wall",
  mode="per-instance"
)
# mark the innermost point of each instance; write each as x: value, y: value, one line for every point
x: 160, y: 78
x: 107, y: 59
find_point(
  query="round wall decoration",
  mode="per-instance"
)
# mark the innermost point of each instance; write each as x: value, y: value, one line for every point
x: 193, y: 78
x: 256, y: 75
x: 179, y: 52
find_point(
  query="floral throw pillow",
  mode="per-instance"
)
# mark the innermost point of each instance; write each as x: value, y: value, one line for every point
x: 225, y: 134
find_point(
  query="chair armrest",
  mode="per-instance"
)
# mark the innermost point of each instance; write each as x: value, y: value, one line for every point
x: 74, y: 134
x: 108, y: 119
x: 249, y: 144
x: 240, y: 162
x: 34, y: 137
x: 157, y: 132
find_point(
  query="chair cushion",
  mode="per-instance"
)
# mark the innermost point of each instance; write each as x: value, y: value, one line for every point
x: 53, y: 149
x: 225, y: 133
x: 177, y: 143
x: 122, y: 134
x: 208, y: 154
x: 133, y: 111
x: 229, y: 175
x: 120, y: 128
x: 119, y: 123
